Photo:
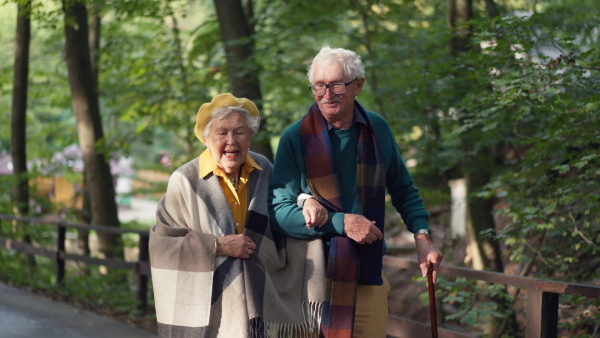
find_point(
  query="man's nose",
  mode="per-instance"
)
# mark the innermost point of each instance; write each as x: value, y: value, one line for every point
x: 328, y: 93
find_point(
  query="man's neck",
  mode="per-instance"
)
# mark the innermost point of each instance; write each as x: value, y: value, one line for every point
x: 342, y: 124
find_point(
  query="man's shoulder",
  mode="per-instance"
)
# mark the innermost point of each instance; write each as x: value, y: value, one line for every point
x: 376, y: 119
x: 294, y: 128
x: 380, y: 124
x: 292, y: 133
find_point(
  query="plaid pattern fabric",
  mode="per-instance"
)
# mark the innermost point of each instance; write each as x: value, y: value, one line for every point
x: 197, y: 294
x: 348, y: 263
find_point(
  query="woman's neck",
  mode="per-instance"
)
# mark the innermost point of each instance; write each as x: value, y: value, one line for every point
x: 234, y: 178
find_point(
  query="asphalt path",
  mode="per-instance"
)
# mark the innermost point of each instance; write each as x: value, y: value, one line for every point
x: 26, y: 315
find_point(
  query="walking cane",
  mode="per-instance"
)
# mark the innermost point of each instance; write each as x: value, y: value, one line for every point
x: 432, y: 310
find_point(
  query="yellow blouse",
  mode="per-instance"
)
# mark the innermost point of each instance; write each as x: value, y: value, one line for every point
x: 238, y: 200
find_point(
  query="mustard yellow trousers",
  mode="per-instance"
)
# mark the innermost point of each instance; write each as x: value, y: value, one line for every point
x: 371, y: 317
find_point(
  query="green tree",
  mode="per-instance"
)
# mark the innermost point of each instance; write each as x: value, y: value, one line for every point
x: 533, y: 101
x: 545, y: 103
x: 151, y: 84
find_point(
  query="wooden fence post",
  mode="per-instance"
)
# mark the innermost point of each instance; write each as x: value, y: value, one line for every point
x: 61, y: 235
x: 144, y: 255
x: 541, y: 314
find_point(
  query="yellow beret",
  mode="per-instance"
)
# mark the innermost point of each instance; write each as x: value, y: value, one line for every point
x: 220, y: 101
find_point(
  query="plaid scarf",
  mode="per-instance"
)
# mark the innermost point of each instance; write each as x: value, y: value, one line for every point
x: 349, y: 263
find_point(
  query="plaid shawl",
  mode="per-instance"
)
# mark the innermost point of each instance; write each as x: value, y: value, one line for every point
x: 276, y: 292
x: 349, y: 263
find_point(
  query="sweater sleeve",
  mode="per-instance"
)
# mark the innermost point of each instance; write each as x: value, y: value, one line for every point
x: 288, y: 180
x: 404, y: 195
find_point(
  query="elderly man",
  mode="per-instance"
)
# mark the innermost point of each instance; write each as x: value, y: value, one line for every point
x: 344, y: 157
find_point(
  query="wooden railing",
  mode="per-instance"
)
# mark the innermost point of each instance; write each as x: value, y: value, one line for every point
x: 541, y: 309
x: 542, y: 295
x: 59, y: 255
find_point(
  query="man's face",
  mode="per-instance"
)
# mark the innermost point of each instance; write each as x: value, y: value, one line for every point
x: 336, y: 107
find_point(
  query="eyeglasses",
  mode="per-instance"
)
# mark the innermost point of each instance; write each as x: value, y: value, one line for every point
x: 336, y: 88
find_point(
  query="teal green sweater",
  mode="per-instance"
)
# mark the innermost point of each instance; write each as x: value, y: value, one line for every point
x: 288, y: 180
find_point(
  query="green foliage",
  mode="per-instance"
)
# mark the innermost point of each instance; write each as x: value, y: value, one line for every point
x: 281, y: 27
x: 17, y: 270
x: 585, y: 314
x: 474, y: 302
x: 543, y: 110
x: 6, y: 185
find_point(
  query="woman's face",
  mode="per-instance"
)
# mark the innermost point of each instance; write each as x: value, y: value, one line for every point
x: 228, y: 140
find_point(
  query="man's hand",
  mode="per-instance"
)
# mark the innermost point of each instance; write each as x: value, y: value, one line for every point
x: 239, y: 246
x: 360, y: 229
x: 428, y: 254
x: 314, y: 213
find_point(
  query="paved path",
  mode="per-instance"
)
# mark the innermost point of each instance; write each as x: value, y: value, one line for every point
x: 26, y: 315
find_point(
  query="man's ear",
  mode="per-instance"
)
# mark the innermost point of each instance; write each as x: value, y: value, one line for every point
x: 359, y: 86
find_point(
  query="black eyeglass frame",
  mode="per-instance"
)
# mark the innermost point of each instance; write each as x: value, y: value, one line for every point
x: 327, y: 86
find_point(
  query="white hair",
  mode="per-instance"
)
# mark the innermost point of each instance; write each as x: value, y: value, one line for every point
x: 253, y: 122
x: 352, y: 66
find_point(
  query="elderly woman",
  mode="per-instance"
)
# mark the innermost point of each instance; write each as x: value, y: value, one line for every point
x: 217, y: 269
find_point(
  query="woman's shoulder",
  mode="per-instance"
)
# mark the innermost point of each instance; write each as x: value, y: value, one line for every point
x: 189, y: 164
x: 189, y: 169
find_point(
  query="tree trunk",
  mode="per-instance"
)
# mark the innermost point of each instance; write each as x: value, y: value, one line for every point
x: 19, y: 118
x: 236, y: 32
x: 98, y: 178
x: 19, y: 110
x: 485, y: 250
x: 459, y: 13
x: 83, y: 241
x: 95, y: 39
x: 491, y: 9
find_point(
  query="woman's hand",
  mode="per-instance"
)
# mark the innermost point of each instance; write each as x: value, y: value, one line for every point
x: 239, y: 246
x: 314, y: 213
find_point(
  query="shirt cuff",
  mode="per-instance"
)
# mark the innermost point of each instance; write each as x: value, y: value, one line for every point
x: 302, y: 198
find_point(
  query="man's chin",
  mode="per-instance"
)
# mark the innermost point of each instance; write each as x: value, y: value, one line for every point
x: 332, y: 109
